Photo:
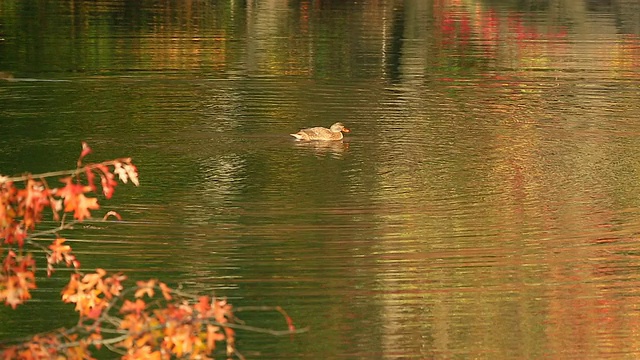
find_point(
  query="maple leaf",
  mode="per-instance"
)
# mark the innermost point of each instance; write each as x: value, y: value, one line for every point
x: 90, y: 178
x: 166, y: 291
x: 142, y: 353
x: 17, y: 278
x: 58, y: 248
x: 145, y: 288
x: 133, y: 307
x: 17, y: 289
x: 213, y: 335
x: 107, y: 181
x: 182, y: 341
x: 114, y: 284
x: 83, y: 205
x: 26, y: 280
x: 222, y: 310
x: 74, y: 199
x: 107, y: 191
x: 14, y: 233
x: 34, y: 197
x: 60, y: 253
x: 94, y: 311
x: 93, y: 281
x: 231, y: 339
x: 86, y: 293
x: 70, y: 189
x: 10, y: 352
x: 11, y: 294
x: 132, y: 171
x: 86, y: 150
x: 121, y: 172
x: 203, y: 306
x: 70, y: 292
x: 56, y: 205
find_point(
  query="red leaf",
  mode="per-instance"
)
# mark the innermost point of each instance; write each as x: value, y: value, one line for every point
x: 90, y: 177
x: 85, y: 150
x: 107, y: 181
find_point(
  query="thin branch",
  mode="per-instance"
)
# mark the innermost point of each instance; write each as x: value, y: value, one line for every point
x: 108, y: 341
x: 256, y: 308
x: 114, y: 349
x: 54, y: 230
x: 74, y: 172
x: 238, y: 355
x: 263, y: 330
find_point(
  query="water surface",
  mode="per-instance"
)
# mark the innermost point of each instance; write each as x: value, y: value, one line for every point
x: 485, y: 205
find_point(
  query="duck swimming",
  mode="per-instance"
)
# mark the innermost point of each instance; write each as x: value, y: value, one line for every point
x: 320, y: 133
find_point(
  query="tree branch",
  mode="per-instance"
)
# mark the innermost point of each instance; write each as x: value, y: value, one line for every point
x: 4, y: 179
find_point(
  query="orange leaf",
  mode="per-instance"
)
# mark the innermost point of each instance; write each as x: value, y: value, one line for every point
x: 57, y: 246
x: 84, y: 204
x: 95, y: 339
x: 11, y: 294
x: 88, y: 294
x: 17, y: 279
x: 203, y: 306
x: 70, y: 292
x: 60, y: 252
x: 145, y: 288
x: 213, y: 335
x: 74, y: 199
x: 133, y: 307
x: 70, y: 190
x: 114, y: 283
x: 166, y: 291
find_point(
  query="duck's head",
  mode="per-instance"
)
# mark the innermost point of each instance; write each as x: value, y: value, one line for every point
x: 337, y: 127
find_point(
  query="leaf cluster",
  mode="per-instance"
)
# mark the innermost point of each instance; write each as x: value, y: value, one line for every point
x: 149, y: 320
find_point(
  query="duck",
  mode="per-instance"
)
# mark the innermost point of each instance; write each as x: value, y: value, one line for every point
x: 321, y: 133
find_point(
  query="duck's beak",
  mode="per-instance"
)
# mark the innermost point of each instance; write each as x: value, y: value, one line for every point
x: 345, y: 130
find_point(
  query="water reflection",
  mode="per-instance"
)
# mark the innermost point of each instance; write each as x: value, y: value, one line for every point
x: 484, y: 206
x: 334, y: 149
x: 6, y: 76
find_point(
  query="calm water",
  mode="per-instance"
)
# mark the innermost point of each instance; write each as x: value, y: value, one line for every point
x: 485, y: 205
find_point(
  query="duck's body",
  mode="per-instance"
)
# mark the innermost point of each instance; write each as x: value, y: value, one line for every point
x: 320, y: 133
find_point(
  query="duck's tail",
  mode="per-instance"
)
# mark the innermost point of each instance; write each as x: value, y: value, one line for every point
x: 297, y: 136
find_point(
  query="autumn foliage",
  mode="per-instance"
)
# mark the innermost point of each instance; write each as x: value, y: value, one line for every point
x: 148, y: 320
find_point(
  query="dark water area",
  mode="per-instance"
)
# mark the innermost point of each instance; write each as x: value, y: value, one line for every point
x: 486, y: 203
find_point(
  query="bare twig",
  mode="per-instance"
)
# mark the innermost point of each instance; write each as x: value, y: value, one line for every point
x: 73, y: 172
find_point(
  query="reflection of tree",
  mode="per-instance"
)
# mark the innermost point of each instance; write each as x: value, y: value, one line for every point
x: 513, y: 89
x: 122, y: 36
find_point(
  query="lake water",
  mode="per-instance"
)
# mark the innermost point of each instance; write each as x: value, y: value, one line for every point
x: 486, y: 203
